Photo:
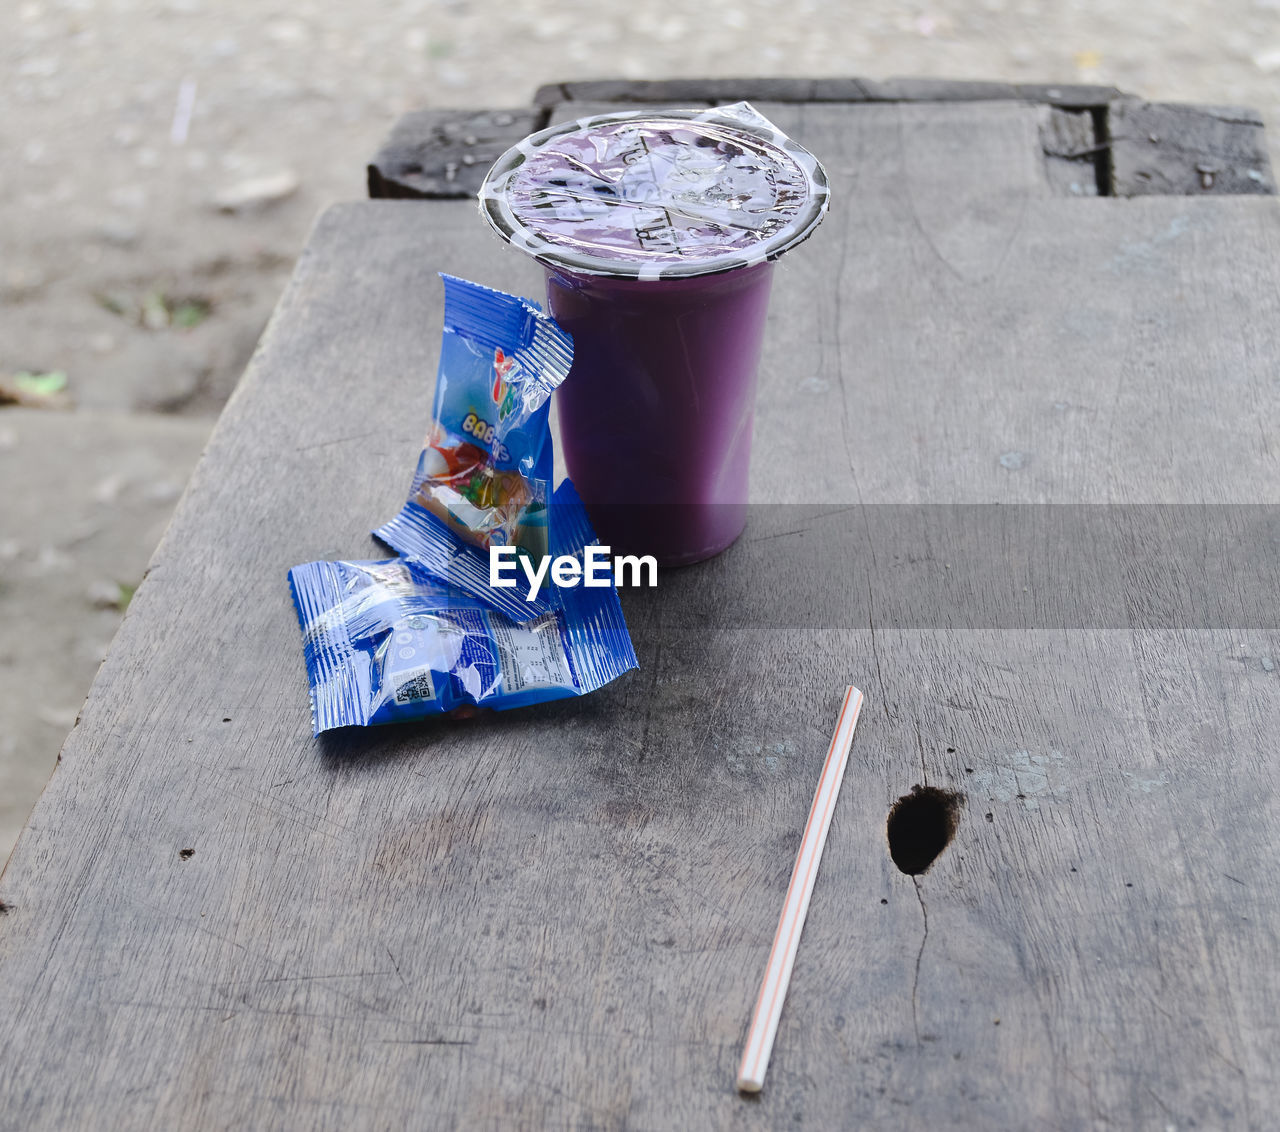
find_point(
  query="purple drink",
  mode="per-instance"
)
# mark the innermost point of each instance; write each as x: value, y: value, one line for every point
x: 656, y: 426
x: 657, y: 232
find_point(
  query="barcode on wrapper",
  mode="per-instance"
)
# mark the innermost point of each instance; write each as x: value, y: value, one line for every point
x: 416, y: 690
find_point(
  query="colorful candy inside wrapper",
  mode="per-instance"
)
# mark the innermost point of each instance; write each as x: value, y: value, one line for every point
x: 385, y: 642
x: 485, y: 474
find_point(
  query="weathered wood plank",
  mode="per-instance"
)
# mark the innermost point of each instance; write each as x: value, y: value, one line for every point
x: 444, y: 154
x: 558, y: 916
x: 1071, y: 148
x: 1136, y: 148
x: 1121, y: 352
x: 1184, y: 150
x: 693, y: 91
x: 1093, y: 138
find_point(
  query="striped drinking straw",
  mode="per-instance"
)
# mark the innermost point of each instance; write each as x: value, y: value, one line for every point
x: 764, y: 1023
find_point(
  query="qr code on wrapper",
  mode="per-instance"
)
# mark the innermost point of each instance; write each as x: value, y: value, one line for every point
x: 416, y: 690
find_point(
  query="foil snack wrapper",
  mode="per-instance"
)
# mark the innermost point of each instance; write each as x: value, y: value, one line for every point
x: 385, y: 642
x: 485, y: 474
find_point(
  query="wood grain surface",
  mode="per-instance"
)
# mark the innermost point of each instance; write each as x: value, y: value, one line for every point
x: 1168, y: 148
x: 558, y: 917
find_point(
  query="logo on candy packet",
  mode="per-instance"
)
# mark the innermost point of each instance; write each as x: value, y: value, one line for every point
x: 504, y: 396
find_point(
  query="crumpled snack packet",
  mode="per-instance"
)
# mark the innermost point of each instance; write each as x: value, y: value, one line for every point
x: 485, y: 474
x: 385, y: 642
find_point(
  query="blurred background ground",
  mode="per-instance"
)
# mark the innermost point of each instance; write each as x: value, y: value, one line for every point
x: 161, y: 164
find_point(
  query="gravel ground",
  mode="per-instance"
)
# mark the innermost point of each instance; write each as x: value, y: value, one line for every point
x: 129, y: 130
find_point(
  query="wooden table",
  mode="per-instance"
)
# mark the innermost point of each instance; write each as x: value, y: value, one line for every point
x: 987, y: 407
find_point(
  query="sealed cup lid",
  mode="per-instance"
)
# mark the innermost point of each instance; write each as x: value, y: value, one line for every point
x: 656, y: 194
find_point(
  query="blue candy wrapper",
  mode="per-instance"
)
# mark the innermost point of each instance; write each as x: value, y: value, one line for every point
x: 485, y: 474
x: 385, y: 642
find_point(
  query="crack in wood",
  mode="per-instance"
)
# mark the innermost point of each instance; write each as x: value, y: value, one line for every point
x: 915, y: 981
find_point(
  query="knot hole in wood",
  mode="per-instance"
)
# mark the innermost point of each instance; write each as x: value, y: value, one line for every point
x: 921, y: 825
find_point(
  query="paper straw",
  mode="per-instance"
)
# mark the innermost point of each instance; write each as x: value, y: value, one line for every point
x: 764, y: 1023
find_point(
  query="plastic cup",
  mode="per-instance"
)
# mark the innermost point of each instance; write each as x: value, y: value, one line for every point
x: 657, y: 232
